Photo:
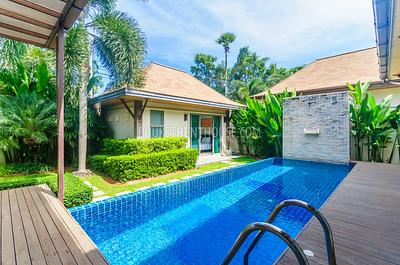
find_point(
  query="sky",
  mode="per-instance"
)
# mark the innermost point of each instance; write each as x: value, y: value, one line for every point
x: 289, y: 32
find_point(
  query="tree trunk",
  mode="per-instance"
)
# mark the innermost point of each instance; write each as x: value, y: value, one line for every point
x: 226, y: 74
x: 86, y: 70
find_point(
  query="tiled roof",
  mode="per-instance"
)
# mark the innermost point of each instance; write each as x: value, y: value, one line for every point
x: 332, y: 73
x: 166, y: 80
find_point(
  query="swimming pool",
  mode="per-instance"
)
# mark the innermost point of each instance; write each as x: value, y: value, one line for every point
x: 196, y: 221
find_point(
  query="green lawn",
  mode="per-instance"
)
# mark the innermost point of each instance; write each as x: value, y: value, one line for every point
x: 110, y: 187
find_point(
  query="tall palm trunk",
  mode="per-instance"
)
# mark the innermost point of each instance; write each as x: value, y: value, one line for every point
x: 226, y: 73
x: 83, y: 121
x: 82, y: 142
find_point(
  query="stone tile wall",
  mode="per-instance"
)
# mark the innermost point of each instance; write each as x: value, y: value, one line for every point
x: 316, y: 128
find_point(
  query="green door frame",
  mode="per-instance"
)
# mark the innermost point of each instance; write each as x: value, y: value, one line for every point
x: 194, y: 131
x: 217, y: 134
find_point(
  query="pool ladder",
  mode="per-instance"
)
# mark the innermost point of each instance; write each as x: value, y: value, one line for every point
x: 267, y: 226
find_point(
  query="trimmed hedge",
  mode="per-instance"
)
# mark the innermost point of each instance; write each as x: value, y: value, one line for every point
x: 76, y: 193
x: 142, y: 146
x: 23, y: 168
x: 128, y: 167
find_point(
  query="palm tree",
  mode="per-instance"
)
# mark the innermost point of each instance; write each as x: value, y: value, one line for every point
x: 116, y: 39
x: 26, y: 121
x: 225, y: 39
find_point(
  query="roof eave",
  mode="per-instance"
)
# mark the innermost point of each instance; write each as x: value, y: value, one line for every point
x: 383, y: 19
x: 151, y: 95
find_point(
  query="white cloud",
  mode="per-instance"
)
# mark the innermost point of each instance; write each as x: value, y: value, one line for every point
x: 290, y: 32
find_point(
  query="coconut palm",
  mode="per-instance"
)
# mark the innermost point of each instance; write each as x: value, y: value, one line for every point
x: 225, y: 39
x: 116, y: 39
x: 11, y: 52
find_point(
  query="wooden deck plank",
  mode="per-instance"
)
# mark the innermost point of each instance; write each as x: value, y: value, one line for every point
x: 7, y: 238
x: 80, y: 235
x: 20, y: 242
x: 35, y: 249
x: 74, y: 246
x: 37, y: 229
x: 364, y: 214
x: 48, y: 248
x: 62, y: 249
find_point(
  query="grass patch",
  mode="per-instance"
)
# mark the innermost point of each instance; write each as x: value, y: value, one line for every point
x: 111, y: 187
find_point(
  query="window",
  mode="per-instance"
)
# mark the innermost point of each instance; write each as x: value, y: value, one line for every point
x: 118, y: 117
x: 157, y: 123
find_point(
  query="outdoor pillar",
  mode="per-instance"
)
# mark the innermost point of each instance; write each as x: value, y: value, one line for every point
x: 138, y: 111
x: 227, y: 133
x: 60, y: 109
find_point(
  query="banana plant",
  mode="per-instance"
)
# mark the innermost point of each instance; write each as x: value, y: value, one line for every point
x: 371, y: 125
x: 262, y: 123
x: 395, y: 123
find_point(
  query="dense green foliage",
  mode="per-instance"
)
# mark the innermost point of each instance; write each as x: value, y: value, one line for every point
x: 374, y: 125
x: 141, y: 146
x: 28, y: 111
x: 258, y: 127
x: 129, y: 167
x: 22, y: 168
x: 76, y: 193
x: 249, y: 75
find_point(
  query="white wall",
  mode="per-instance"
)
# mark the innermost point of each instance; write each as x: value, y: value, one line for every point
x: 380, y: 94
x: 121, y: 122
x: 174, y: 123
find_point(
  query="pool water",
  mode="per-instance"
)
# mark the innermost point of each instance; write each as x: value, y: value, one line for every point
x: 196, y: 221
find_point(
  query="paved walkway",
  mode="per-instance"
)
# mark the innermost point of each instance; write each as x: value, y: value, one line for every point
x: 364, y: 214
x: 212, y: 158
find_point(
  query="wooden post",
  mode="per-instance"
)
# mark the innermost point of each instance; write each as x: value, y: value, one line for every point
x: 60, y: 109
x: 138, y: 110
x: 227, y: 133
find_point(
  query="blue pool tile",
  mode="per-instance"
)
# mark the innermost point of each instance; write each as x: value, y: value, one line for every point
x: 196, y: 221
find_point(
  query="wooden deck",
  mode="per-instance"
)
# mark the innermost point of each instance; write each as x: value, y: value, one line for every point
x: 364, y: 214
x: 37, y: 229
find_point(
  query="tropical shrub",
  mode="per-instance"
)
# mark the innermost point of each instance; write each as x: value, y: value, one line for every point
x: 23, y: 168
x: 27, y: 123
x: 259, y: 126
x: 142, y: 146
x: 76, y: 192
x: 129, y: 167
x: 395, y: 122
x: 373, y: 124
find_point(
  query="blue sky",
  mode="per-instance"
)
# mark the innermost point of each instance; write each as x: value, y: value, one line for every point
x: 289, y: 32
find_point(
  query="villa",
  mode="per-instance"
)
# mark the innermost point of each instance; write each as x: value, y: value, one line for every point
x: 172, y: 103
x: 331, y: 74
x: 336, y: 211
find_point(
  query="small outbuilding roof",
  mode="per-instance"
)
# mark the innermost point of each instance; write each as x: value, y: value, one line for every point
x: 332, y: 73
x: 171, y: 84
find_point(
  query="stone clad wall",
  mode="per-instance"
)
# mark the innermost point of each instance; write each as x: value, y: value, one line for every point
x: 328, y: 113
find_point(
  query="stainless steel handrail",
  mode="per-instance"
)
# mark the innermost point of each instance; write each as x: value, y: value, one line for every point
x: 330, y: 248
x: 265, y: 227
